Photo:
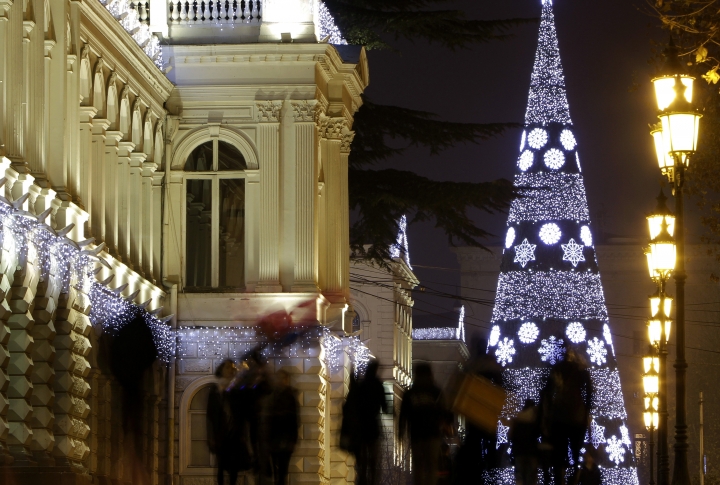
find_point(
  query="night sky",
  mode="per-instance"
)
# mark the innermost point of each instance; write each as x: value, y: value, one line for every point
x: 605, y: 47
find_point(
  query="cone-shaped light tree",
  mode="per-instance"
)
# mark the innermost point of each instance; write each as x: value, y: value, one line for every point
x: 549, y: 297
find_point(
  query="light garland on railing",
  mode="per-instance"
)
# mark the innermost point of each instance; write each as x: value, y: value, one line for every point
x: 140, y: 32
x: 399, y: 249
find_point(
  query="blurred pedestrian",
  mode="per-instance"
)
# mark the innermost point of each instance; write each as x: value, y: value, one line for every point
x: 256, y: 389
x: 524, y: 434
x: 226, y: 427
x: 422, y: 416
x: 478, y: 450
x: 565, y: 408
x: 371, y: 402
x: 589, y: 472
x: 283, y: 425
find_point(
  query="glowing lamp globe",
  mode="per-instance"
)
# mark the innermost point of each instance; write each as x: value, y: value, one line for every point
x: 665, y: 92
x: 658, y: 304
x: 665, y: 160
x: 651, y: 382
x: 661, y: 215
x: 651, y: 419
x: 680, y: 125
x: 655, y: 328
x: 661, y: 254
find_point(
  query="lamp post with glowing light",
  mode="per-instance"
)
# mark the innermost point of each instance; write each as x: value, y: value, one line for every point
x: 651, y: 387
x: 675, y: 143
x: 659, y: 324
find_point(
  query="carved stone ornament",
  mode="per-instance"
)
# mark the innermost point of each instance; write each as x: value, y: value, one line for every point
x: 125, y: 93
x: 346, y: 141
x: 306, y: 110
x: 99, y: 66
x: 85, y: 53
x: 112, y: 80
x: 333, y: 128
x: 137, y: 104
x: 268, y: 111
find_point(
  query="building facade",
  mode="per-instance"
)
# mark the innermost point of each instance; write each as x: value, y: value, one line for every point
x: 203, y: 179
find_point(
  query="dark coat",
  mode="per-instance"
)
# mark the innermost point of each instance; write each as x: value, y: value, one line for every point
x: 371, y: 396
x: 284, y: 420
x: 227, y: 429
x: 423, y: 413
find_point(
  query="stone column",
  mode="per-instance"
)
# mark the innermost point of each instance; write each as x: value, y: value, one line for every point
x: 305, y: 277
x: 122, y: 200
x: 5, y: 312
x: 110, y: 192
x: 43, y: 375
x: 85, y: 156
x: 21, y: 344
x: 146, y: 241
x: 268, y: 115
x: 137, y: 211
x: 14, y: 86
x: 96, y: 180
x: 333, y: 146
x: 5, y: 6
x: 155, y: 274
x: 71, y: 388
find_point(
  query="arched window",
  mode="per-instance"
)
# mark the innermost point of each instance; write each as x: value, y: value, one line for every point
x: 200, y: 455
x: 215, y: 217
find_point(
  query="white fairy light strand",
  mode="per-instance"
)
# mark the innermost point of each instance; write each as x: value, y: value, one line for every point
x: 327, y: 27
x: 140, y: 32
x: 549, y: 197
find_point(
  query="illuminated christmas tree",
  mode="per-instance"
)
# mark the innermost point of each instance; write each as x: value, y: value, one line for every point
x: 549, y: 295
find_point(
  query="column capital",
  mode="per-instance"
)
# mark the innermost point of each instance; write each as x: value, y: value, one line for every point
x: 333, y: 128
x: 268, y: 111
x: 306, y: 110
x: 346, y: 141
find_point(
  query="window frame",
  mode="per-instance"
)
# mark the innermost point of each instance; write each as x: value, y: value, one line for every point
x: 214, y: 176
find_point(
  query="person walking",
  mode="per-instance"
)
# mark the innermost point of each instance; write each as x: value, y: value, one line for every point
x: 478, y: 450
x: 422, y: 416
x: 371, y: 402
x: 524, y: 434
x: 566, y: 402
x: 226, y: 427
x: 283, y: 426
x: 589, y: 472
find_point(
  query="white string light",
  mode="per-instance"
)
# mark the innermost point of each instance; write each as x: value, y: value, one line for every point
x: 510, y: 237
x: 524, y: 253
x: 526, y: 160
x: 549, y: 197
x: 572, y: 252
x: 568, y: 140
x: 327, y: 27
x: 550, y: 233
x: 586, y: 236
x: 575, y: 332
x: 528, y: 333
x: 537, y: 138
x: 554, y: 158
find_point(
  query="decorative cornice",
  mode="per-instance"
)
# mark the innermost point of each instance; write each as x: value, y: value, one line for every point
x: 334, y: 128
x: 268, y: 111
x: 306, y: 110
x: 99, y: 65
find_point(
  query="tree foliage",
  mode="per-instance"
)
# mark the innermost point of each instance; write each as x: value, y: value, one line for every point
x: 372, y: 22
x: 379, y: 197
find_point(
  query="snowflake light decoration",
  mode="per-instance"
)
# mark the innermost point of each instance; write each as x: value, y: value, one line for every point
x: 575, y: 332
x: 551, y: 350
x: 526, y: 160
x: 502, y: 434
x: 586, y: 236
x: 597, y: 434
x: 568, y: 140
x: 522, y: 140
x: 608, y: 337
x: 597, y: 351
x: 494, y: 336
x: 510, y: 237
x: 625, y: 435
x: 505, y: 351
x: 554, y: 158
x: 573, y: 252
x: 525, y: 252
x: 550, y: 233
x: 615, y: 450
x: 528, y: 333
x: 537, y: 138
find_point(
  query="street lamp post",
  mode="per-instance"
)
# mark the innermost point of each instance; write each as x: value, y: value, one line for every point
x: 675, y: 143
x: 651, y: 388
x: 659, y: 327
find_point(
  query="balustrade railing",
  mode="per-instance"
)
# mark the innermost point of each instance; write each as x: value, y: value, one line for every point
x: 143, y: 10
x: 215, y: 11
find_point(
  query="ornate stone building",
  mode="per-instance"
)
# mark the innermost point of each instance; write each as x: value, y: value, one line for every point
x: 186, y: 159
